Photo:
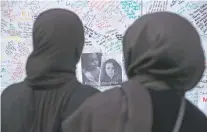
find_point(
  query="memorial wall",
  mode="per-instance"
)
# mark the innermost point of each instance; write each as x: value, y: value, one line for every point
x: 105, y: 22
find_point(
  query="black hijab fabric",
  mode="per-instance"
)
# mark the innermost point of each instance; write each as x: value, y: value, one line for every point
x: 165, y: 51
x: 58, y: 39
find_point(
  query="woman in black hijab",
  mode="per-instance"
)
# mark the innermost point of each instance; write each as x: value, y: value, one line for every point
x: 163, y: 59
x: 163, y: 51
x: 50, y: 92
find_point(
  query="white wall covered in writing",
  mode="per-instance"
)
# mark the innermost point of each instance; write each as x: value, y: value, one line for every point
x: 105, y: 22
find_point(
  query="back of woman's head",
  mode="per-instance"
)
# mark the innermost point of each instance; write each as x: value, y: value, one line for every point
x: 58, y: 39
x: 166, y: 47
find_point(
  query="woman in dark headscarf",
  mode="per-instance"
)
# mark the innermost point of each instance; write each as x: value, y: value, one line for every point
x: 163, y: 51
x: 111, y: 73
x: 50, y: 92
x: 163, y: 59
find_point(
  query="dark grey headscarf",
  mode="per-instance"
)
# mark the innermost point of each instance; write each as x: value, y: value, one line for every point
x: 58, y: 39
x: 165, y: 51
x: 162, y: 51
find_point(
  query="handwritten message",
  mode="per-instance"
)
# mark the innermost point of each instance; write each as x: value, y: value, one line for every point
x: 200, y: 18
x: 157, y: 5
x: 131, y: 8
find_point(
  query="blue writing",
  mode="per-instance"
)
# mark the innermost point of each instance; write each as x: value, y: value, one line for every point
x: 131, y: 8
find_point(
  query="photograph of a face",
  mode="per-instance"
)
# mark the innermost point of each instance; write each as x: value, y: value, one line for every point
x: 111, y: 70
x: 111, y: 73
x: 91, y: 63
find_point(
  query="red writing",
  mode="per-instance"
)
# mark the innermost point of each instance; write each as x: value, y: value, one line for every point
x: 204, y: 99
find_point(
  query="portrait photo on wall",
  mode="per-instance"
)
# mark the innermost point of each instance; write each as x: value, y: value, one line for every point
x: 90, y: 63
x: 111, y: 71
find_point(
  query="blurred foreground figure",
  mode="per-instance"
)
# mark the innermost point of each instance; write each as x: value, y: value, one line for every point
x: 163, y: 59
x: 50, y: 92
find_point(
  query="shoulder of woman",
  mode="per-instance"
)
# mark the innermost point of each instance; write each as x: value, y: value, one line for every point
x: 18, y: 90
x: 102, y: 99
x: 94, y: 107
